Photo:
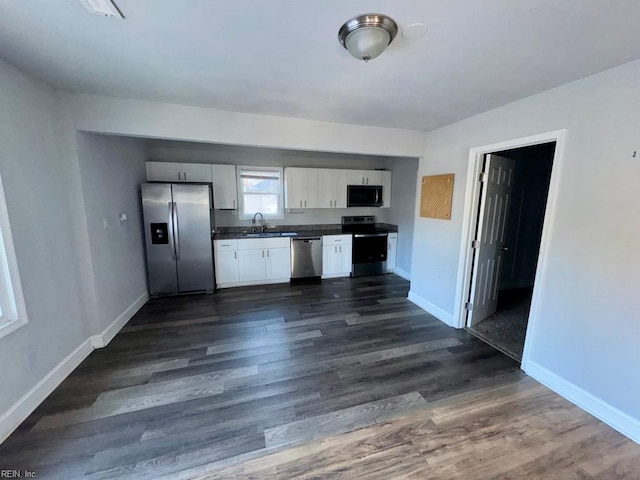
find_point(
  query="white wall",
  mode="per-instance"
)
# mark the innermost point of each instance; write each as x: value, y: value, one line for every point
x: 37, y: 178
x: 145, y: 119
x: 401, y: 213
x: 586, y: 329
x: 112, y: 169
x: 207, y: 153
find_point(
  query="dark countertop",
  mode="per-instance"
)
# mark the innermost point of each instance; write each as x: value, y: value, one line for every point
x: 235, y: 233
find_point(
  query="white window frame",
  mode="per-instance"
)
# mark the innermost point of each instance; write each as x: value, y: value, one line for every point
x: 280, y: 213
x: 14, y: 311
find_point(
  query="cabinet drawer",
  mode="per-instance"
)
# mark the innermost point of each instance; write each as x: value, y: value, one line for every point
x: 260, y: 243
x: 331, y: 240
x: 221, y: 245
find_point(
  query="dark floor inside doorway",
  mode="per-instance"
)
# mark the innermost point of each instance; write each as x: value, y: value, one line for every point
x: 506, y: 329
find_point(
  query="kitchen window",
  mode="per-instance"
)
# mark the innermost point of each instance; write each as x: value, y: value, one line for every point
x: 260, y: 190
x: 13, y: 313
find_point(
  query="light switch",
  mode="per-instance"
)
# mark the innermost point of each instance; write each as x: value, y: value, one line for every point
x: 105, y: 223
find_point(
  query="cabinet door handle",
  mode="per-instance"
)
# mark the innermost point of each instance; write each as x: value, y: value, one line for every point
x: 300, y: 203
x: 185, y: 176
x: 340, y: 248
x: 235, y: 255
x: 262, y: 253
x: 179, y: 178
x: 335, y: 249
x: 305, y: 204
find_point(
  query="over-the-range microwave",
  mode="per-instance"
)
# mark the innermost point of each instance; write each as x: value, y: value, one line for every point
x: 364, y: 195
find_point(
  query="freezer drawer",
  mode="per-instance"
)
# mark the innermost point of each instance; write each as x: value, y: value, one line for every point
x: 306, y: 257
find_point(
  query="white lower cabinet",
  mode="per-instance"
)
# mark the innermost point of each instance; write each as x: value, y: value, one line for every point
x: 252, y: 261
x: 278, y: 264
x: 336, y: 256
x: 252, y: 265
x: 225, y: 254
x: 392, y: 249
x: 226, y: 267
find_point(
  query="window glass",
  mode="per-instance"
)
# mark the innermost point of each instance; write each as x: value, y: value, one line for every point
x: 13, y: 313
x: 260, y: 191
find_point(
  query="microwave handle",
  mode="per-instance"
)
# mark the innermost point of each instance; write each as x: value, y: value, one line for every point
x: 377, y: 195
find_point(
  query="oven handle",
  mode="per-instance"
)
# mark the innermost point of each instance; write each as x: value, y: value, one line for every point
x: 365, y: 235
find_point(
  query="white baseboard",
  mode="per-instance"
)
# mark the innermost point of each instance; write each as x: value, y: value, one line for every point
x: 402, y: 273
x: 620, y: 421
x: 336, y: 275
x: 249, y: 284
x: 437, y: 312
x: 12, y: 418
x: 102, y: 340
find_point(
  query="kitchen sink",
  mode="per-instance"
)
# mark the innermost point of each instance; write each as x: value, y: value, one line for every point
x: 269, y: 234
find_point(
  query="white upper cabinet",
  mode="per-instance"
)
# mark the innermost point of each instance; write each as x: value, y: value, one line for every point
x: 332, y: 188
x: 222, y: 177
x: 162, y: 172
x: 225, y: 187
x: 327, y: 187
x: 195, y: 172
x: 301, y: 187
x: 367, y: 177
x: 178, y: 172
x: 364, y: 177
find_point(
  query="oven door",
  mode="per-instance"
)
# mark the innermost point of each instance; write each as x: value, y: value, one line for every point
x: 369, y: 247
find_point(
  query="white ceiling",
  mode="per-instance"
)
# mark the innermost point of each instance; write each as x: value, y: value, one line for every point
x: 282, y: 57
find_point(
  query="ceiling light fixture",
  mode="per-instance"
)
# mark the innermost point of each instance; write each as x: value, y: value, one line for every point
x: 366, y: 36
x: 108, y: 8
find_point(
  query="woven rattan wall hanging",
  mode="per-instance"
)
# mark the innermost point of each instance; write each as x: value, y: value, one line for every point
x: 437, y: 196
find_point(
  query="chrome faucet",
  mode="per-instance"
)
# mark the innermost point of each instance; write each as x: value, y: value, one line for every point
x: 263, y: 226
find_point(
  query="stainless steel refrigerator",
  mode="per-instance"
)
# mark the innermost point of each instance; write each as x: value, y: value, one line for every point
x: 178, y: 225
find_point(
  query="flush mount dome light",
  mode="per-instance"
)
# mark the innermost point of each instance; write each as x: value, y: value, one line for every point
x: 366, y: 36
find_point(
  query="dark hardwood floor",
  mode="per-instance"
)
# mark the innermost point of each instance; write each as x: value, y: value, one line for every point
x: 340, y: 379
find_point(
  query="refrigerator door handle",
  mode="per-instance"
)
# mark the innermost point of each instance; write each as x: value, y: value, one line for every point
x: 176, y: 229
x: 172, y: 232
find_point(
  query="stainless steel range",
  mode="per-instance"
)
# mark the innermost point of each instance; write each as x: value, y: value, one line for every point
x: 369, y: 250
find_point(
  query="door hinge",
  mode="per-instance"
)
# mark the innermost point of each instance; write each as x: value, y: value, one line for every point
x: 468, y: 306
x: 475, y: 244
x: 483, y: 177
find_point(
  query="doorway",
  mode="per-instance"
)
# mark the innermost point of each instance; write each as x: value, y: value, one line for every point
x: 510, y: 217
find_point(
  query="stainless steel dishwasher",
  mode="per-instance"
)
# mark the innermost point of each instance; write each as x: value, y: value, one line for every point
x: 306, y: 257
